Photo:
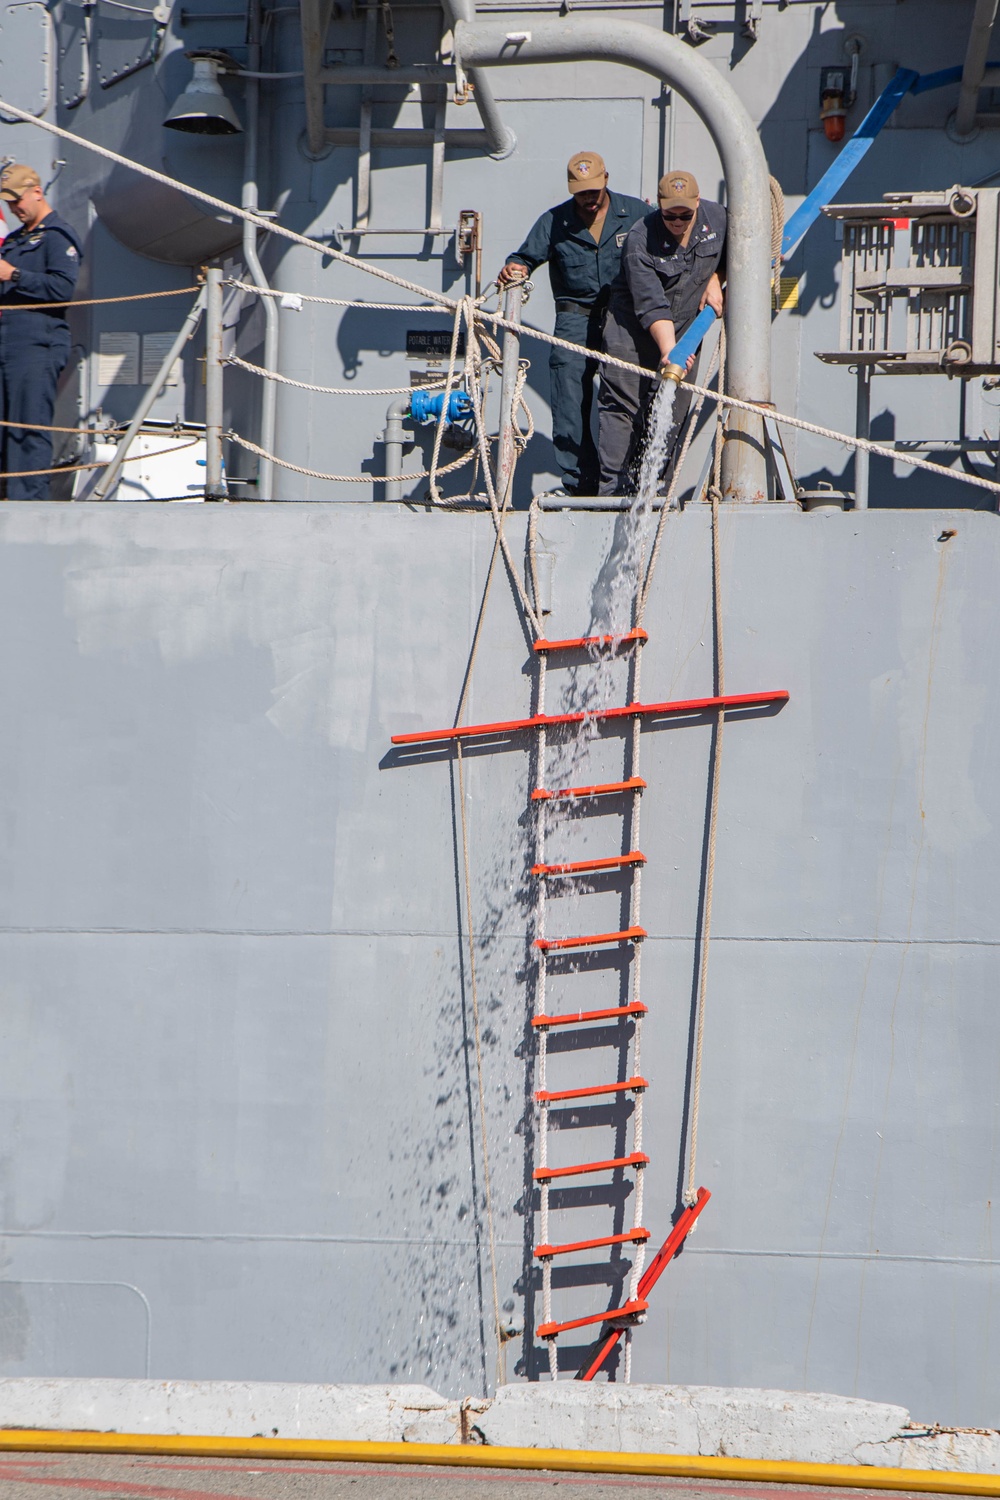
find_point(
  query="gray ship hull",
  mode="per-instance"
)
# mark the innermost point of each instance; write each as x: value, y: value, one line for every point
x: 237, y: 1080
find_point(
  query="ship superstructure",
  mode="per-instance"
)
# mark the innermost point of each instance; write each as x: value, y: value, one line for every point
x: 277, y: 1017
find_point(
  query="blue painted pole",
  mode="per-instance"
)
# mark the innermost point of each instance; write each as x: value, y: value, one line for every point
x: 857, y: 147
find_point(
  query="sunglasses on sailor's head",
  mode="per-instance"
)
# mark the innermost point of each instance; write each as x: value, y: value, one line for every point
x: 683, y: 217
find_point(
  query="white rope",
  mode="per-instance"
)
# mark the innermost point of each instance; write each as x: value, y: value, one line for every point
x: 283, y: 463
x: 471, y: 353
x: 541, y: 976
x: 690, y: 1194
x: 270, y: 291
x: 267, y: 226
x: 328, y: 390
x: 270, y: 226
x: 756, y: 408
x: 474, y: 651
x: 456, y: 328
x: 477, y: 1034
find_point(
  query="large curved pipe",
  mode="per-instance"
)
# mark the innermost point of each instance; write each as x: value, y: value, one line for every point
x: 484, y: 45
x: 502, y: 140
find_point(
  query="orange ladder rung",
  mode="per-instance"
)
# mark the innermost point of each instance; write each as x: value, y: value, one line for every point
x: 635, y: 1159
x: 631, y: 1085
x: 617, y: 1012
x: 604, y: 789
x: 635, y: 1236
x: 591, y: 940
x: 581, y: 642
x: 584, y: 866
x: 687, y: 706
x: 550, y: 1330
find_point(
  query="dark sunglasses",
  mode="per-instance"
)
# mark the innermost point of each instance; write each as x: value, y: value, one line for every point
x: 684, y: 217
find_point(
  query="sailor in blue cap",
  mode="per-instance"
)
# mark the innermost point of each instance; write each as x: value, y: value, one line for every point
x: 38, y: 270
x: 582, y: 241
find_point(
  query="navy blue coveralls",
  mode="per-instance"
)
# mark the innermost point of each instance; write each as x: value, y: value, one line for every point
x: 581, y: 272
x: 34, y: 346
x: 659, y: 279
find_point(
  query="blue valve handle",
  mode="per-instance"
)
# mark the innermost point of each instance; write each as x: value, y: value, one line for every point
x: 691, y: 339
x: 425, y: 406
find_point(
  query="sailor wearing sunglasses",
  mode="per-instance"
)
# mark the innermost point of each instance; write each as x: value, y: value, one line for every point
x: 673, y: 265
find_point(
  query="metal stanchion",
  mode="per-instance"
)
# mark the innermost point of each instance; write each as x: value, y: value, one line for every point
x: 215, y: 484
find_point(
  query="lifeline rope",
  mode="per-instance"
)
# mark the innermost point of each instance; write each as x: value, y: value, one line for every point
x: 456, y: 328
x: 177, y: 291
x: 284, y: 463
x: 101, y: 463
x: 268, y: 226
x: 477, y: 1033
x: 98, y: 432
x: 471, y: 356
x: 755, y: 408
x: 327, y: 390
x: 471, y: 344
x: 260, y: 291
x: 690, y: 1195
x: 542, y: 1041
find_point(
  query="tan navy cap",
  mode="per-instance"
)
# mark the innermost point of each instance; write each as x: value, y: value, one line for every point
x: 16, y: 179
x: 586, y: 172
x: 680, y: 188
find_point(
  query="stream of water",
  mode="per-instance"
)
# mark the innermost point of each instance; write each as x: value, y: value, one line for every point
x: 597, y: 685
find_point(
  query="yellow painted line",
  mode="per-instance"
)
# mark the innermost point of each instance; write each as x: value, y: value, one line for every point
x: 477, y: 1456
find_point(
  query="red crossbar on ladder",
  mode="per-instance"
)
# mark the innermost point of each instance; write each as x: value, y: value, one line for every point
x: 549, y: 1330
x: 635, y: 1236
x: 613, y: 1013
x: 634, y: 1159
x: 593, y: 939
x: 588, y: 866
x: 653, y: 1272
x: 582, y: 642
x: 597, y: 716
x: 631, y: 1085
x: 604, y: 789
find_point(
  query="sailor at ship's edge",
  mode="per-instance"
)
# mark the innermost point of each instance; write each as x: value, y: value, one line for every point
x: 582, y: 241
x: 673, y: 264
x: 39, y: 267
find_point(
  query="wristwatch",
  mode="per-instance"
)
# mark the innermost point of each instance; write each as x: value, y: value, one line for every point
x: 15, y: 275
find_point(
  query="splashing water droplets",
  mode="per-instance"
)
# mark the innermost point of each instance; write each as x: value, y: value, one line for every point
x: 614, y: 595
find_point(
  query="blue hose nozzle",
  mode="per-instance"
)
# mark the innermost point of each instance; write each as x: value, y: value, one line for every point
x: 674, y: 366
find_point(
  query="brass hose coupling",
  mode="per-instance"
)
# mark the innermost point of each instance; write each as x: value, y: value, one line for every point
x: 675, y: 373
